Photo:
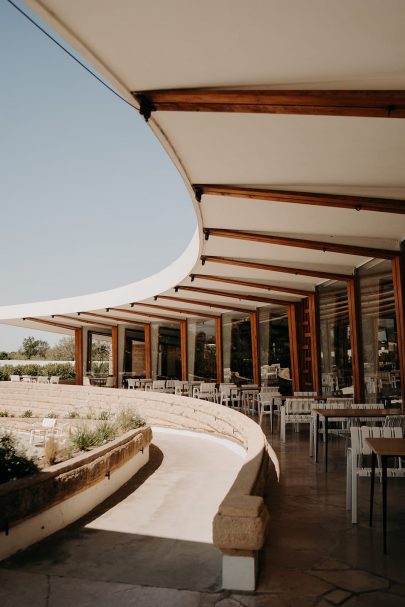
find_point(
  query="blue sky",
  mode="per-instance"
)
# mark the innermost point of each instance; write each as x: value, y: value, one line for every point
x: 89, y: 198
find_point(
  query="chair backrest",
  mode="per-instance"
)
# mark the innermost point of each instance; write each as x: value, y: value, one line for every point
x: 110, y: 382
x: 131, y: 382
x: 305, y: 394
x: 26, y: 378
x: 339, y: 403
x: 42, y: 379
x: 359, y: 434
x: 270, y: 390
x: 395, y: 421
x: 207, y: 387
x: 49, y: 422
x: 170, y: 383
x: 368, y: 406
x: 15, y: 378
x: 294, y: 406
x: 158, y: 384
x: 54, y: 379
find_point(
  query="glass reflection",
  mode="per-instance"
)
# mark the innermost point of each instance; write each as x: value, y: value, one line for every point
x: 274, y: 348
x: 335, y: 344
x: 202, y: 363
x: 166, y: 351
x: 237, y: 348
x: 379, y: 333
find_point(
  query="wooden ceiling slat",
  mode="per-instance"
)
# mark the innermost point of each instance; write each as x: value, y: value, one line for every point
x: 358, y: 203
x: 146, y: 314
x: 359, y: 103
x: 207, y: 304
x: 270, y: 300
x: 175, y: 310
x: 253, y: 285
x: 274, y: 268
x: 302, y: 243
x: 51, y: 323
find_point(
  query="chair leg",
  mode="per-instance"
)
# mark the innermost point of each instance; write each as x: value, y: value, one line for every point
x: 282, y: 426
x: 354, y: 488
x: 349, y: 479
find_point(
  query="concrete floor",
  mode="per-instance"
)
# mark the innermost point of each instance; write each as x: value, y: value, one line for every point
x: 146, y: 551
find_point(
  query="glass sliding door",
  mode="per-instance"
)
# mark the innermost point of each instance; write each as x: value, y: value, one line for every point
x: 335, y: 344
x: 274, y: 347
x: 166, y: 351
x: 99, y: 353
x: 134, y: 353
x: 237, y: 348
x: 379, y: 333
x: 202, y: 362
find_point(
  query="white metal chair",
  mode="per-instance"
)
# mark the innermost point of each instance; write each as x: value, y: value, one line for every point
x: 54, y: 379
x: 170, y: 386
x: 110, y: 382
x: 16, y: 378
x: 43, y: 379
x: 158, y: 385
x: 132, y: 383
x: 43, y: 430
x: 295, y: 411
x: 206, y: 391
x: 354, y: 463
x: 229, y: 396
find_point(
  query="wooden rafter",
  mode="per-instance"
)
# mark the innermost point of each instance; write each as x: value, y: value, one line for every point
x: 358, y: 203
x: 359, y: 103
x: 175, y: 310
x: 301, y: 243
x: 274, y: 268
x: 207, y: 304
x: 147, y: 314
x: 80, y: 319
x: 51, y: 323
x: 269, y: 300
x: 253, y: 285
x: 114, y: 318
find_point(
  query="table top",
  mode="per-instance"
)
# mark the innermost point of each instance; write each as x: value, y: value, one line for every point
x: 357, y: 412
x: 387, y: 446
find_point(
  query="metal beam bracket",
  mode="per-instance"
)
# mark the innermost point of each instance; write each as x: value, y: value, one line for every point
x: 146, y: 107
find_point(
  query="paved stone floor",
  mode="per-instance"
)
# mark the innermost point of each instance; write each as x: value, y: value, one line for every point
x: 314, y: 556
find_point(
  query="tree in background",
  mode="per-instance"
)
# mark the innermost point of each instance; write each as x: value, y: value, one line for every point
x: 63, y: 350
x: 4, y: 356
x: 34, y: 347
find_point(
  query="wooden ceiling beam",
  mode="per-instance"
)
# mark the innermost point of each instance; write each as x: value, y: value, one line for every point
x: 302, y: 243
x: 81, y: 320
x: 279, y: 302
x: 146, y: 314
x: 357, y: 203
x: 115, y: 318
x: 207, y: 304
x: 359, y: 103
x: 51, y: 323
x: 253, y: 285
x: 176, y: 310
x: 272, y: 268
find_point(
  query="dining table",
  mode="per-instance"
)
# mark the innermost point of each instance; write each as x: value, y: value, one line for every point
x: 343, y: 414
x: 383, y: 448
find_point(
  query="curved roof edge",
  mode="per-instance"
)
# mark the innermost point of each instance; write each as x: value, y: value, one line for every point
x: 136, y: 291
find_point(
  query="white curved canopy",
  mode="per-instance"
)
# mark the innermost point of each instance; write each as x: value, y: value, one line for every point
x: 261, y: 45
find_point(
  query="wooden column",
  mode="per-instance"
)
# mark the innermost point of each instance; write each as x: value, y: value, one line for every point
x: 293, y: 337
x: 353, y: 298
x: 398, y: 277
x: 218, y: 342
x: 79, y: 356
x: 148, y: 350
x: 314, y: 337
x: 183, y: 347
x: 114, y: 346
x: 255, y: 347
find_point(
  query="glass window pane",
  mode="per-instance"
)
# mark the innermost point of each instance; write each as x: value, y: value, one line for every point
x: 202, y: 362
x: 379, y: 333
x: 134, y: 354
x: 99, y: 353
x: 237, y: 348
x: 166, y: 351
x: 335, y: 344
x: 274, y: 348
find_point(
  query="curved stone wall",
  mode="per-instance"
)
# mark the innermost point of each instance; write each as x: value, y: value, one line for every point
x: 239, y: 527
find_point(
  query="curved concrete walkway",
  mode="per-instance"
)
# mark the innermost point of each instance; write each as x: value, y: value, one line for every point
x: 158, y: 534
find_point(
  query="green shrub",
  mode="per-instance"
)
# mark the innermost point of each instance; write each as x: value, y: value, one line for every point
x: 4, y: 413
x: 52, y: 415
x: 27, y: 413
x: 105, y: 431
x: 128, y: 419
x: 104, y: 415
x: 64, y: 371
x: 14, y: 463
x: 84, y: 438
x: 72, y: 415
